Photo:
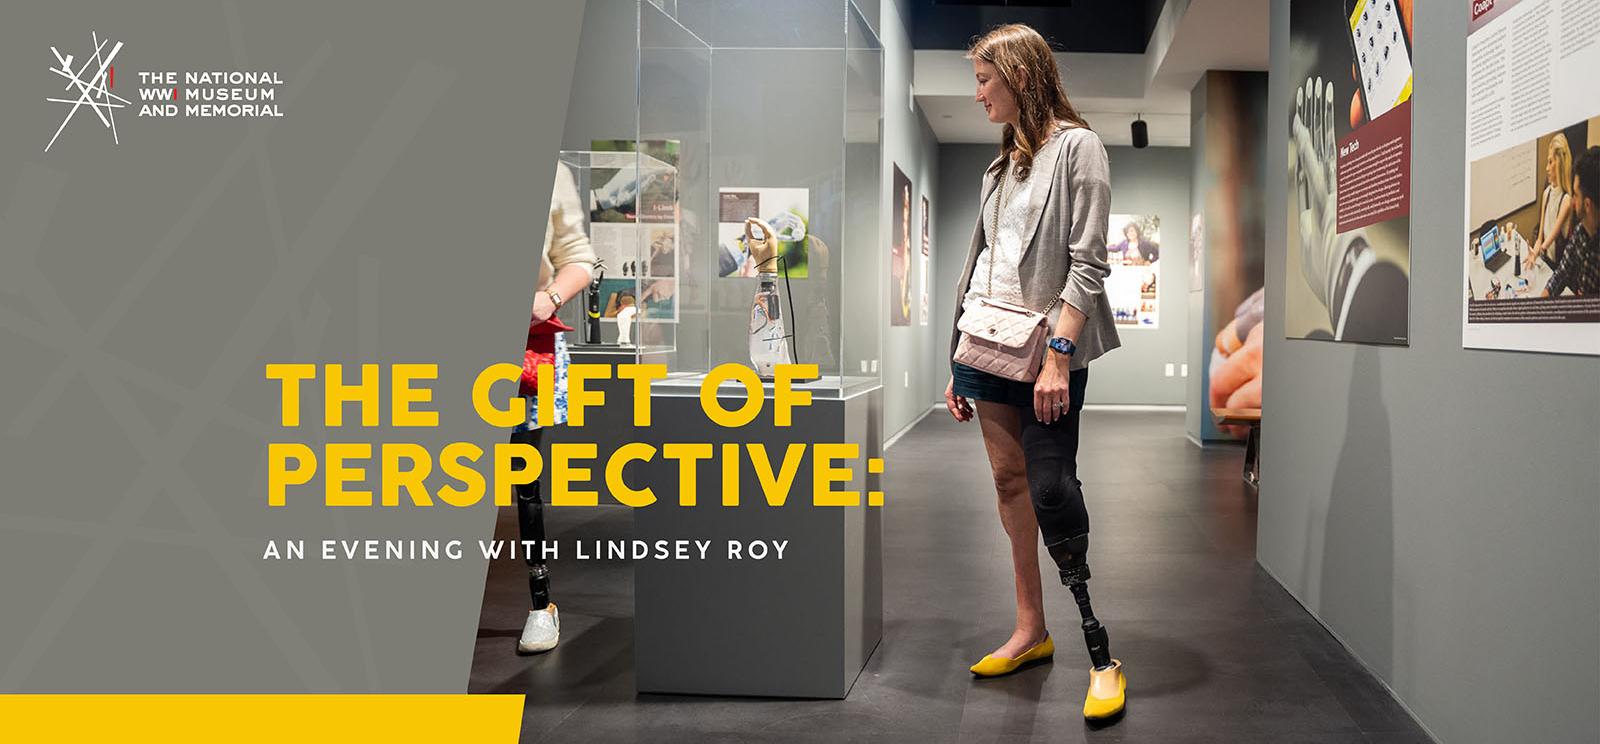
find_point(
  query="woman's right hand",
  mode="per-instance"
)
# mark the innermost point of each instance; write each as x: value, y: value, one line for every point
x: 960, y: 407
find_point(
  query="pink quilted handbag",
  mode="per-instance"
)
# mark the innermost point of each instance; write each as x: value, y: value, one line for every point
x: 1002, y: 339
x: 998, y: 337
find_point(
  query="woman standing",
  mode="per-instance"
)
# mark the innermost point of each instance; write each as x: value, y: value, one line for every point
x: 565, y: 268
x: 1040, y: 243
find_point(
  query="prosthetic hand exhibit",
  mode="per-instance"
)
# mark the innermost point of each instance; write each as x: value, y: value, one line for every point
x: 1341, y: 269
x: 1316, y: 152
x: 542, y: 630
x: 769, y: 344
x: 591, y: 305
x: 1108, y: 686
x: 625, y: 324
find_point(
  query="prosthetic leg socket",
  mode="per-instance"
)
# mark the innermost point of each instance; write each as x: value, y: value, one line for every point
x: 530, y: 523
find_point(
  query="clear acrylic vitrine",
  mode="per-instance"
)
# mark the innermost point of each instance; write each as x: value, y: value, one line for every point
x: 752, y: 108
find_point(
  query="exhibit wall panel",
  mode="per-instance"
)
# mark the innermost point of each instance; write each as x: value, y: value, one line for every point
x: 1151, y: 181
x: 1435, y: 507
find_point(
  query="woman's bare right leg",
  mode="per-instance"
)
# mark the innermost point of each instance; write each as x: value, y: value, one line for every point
x: 1002, y: 437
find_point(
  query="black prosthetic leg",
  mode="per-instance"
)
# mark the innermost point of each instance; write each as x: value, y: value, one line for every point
x: 530, y: 525
x: 1070, y: 556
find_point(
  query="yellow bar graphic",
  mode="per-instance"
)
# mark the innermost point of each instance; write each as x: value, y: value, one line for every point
x: 252, y: 719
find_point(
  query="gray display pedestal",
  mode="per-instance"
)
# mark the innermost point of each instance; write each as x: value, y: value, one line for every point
x: 802, y: 626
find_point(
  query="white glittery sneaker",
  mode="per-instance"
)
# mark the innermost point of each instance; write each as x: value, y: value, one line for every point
x: 542, y: 631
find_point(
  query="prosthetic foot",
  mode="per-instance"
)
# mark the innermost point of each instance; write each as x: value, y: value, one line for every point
x: 1107, y: 686
x: 1108, y: 692
x: 541, y: 632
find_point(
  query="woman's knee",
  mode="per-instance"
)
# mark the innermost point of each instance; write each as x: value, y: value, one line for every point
x: 1011, y: 487
x: 1053, y: 489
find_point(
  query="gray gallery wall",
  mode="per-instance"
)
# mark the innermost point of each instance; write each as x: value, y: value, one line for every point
x: 960, y: 168
x: 1437, y: 508
x: 1197, y: 348
x: 1154, y: 179
x: 1151, y: 181
x: 909, y: 363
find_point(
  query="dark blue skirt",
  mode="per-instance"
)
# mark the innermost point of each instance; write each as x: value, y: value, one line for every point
x: 975, y: 384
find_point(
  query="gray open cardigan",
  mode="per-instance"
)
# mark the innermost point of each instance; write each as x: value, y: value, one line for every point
x: 1066, y: 242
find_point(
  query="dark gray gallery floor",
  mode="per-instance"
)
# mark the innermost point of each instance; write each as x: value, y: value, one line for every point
x: 1215, y: 650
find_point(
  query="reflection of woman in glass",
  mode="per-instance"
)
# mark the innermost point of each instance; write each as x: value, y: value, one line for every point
x: 1555, y: 204
x: 1049, y: 255
x: 565, y: 269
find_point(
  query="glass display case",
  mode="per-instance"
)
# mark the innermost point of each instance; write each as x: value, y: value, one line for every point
x: 631, y: 217
x: 759, y: 110
x: 750, y: 131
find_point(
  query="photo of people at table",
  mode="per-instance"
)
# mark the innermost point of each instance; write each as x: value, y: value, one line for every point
x: 1544, y: 246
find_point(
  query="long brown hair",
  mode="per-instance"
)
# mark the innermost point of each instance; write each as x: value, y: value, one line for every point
x: 1041, y: 101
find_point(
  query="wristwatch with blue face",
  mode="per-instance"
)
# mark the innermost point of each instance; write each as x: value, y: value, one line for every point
x: 1063, y: 345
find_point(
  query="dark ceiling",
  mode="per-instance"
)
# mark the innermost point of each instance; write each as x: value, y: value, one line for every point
x: 1069, y: 25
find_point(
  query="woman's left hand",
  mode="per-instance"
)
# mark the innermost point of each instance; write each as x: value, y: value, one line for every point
x: 1051, y: 398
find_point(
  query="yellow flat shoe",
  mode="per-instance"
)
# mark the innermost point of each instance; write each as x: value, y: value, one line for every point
x: 995, y: 666
x: 1108, y: 692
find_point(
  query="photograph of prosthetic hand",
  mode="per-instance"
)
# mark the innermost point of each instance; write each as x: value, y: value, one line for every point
x: 1349, y: 254
x: 617, y: 199
x: 785, y: 209
x: 1353, y: 285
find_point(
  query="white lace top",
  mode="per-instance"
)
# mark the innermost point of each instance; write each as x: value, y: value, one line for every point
x: 1554, y: 200
x: 1004, y: 253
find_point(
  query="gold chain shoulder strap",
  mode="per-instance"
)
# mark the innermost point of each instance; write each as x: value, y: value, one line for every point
x: 994, y: 223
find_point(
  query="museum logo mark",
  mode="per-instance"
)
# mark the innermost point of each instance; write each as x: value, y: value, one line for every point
x: 161, y: 94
